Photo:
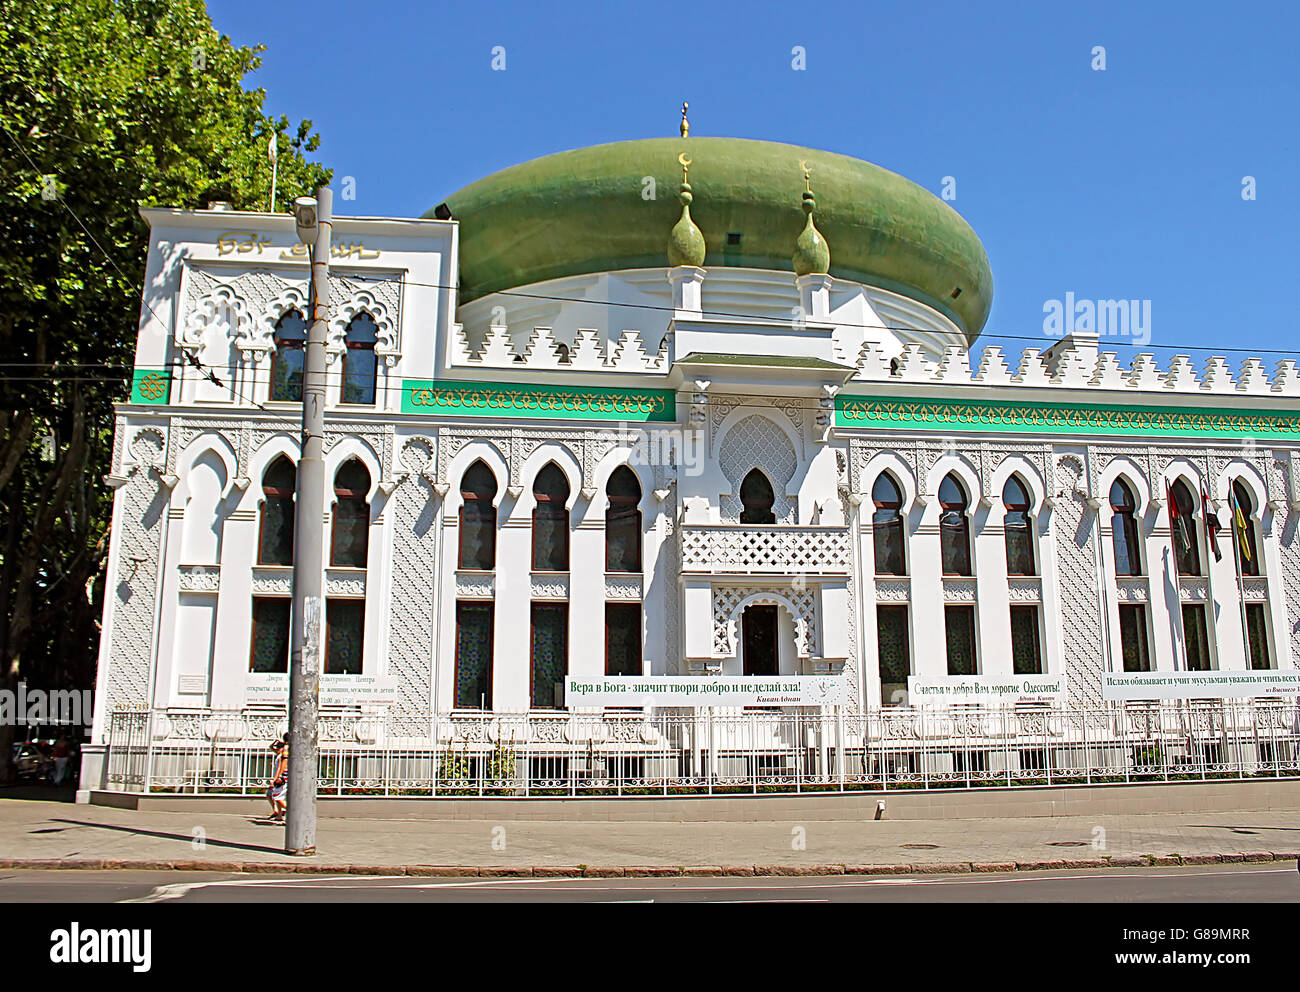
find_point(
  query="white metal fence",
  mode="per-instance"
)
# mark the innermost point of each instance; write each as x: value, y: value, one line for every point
x: 550, y: 753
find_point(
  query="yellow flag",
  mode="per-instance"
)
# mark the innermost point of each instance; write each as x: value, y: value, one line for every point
x: 1239, y: 525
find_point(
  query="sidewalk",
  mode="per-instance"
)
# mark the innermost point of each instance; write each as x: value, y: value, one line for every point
x: 38, y: 834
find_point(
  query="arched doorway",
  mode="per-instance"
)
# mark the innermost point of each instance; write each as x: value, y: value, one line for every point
x: 759, y: 640
x: 757, y: 499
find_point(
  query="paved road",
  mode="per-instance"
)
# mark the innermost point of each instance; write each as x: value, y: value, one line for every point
x: 1215, y: 883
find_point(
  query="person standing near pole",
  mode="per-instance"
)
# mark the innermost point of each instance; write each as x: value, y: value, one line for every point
x: 314, y: 220
x: 275, y: 793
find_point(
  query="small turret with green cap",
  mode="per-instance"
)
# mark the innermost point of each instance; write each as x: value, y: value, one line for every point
x: 812, y: 255
x: 685, y: 243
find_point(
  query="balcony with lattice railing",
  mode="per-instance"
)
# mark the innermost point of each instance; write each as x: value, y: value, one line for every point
x: 778, y: 549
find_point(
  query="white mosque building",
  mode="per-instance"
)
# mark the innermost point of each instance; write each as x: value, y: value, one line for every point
x: 670, y: 407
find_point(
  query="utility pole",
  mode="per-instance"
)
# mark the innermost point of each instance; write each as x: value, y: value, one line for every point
x: 314, y: 219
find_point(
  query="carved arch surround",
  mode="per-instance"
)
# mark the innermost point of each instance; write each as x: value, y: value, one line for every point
x: 729, y: 604
x: 363, y: 302
x: 1134, y: 475
x: 888, y: 463
x: 1249, y: 475
x: 458, y: 464
x: 291, y: 298
x: 756, y: 441
x: 1029, y: 475
x: 209, y: 307
x: 215, y: 442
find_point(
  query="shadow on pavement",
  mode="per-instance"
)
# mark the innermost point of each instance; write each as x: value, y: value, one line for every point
x: 208, y: 842
x: 1235, y: 827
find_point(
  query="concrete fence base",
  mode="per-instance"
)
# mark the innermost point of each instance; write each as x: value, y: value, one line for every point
x: 1069, y: 800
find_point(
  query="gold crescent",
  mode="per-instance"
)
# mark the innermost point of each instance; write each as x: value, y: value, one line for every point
x: 803, y: 164
x: 683, y: 160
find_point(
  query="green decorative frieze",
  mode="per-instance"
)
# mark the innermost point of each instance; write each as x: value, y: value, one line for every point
x: 1064, y: 418
x: 151, y: 386
x: 502, y: 399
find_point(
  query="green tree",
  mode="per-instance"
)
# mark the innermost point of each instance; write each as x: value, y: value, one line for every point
x: 106, y: 106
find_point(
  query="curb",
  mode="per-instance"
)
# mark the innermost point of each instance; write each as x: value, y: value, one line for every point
x: 646, y: 871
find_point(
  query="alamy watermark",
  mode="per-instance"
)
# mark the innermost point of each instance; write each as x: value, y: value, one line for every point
x: 37, y: 707
x: 1105, y: 318
x: 671, y: 446
x: 90, y: 945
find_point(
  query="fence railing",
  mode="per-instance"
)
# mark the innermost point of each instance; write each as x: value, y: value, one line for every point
x: 713, y: 752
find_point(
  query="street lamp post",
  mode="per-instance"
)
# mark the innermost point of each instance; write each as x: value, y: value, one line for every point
x: 314, y: 219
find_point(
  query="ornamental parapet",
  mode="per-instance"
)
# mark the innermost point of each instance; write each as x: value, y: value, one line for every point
x: 1077, y: 368
x: 773, y: 550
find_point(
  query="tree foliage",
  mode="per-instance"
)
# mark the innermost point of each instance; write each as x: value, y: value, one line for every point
x: 106, y: 106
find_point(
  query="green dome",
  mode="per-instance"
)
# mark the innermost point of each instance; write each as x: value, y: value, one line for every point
x: 585, y: 211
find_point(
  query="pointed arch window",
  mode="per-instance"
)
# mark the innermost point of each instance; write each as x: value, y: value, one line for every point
x: 757, y: 499
x: 551, y: 520
x: 1018, y: 528
x: 623, y: 522
x: 954, y: 527
x: 288, y: 360
x: 1243, y: 529
x: 359, y: 366
x: 350, y: 530
x: 478, y: 518
x: 1124, y: 529
x: 275, y: 532
x: 1187, y: 551
x: 887, y: 526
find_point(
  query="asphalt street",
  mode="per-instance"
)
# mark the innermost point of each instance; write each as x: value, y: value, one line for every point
x: 1211, y: 883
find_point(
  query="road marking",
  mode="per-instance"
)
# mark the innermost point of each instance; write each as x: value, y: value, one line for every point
x: 178, y: 890
x: 165, y: 893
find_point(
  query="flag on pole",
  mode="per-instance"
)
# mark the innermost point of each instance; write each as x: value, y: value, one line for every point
x: 1212, y: 525
x: 271, y: 150
x: 1239, y: 526
x: 1176, y: 522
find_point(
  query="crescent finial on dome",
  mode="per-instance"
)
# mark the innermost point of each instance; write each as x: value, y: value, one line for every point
x: 812, y: 255
x: 686, y: 242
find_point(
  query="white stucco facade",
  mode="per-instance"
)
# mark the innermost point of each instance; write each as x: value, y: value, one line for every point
x: 710, y: 381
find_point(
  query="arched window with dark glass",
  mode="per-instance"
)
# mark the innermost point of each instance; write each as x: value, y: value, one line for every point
x: 756, y: 499
x: 350, y: 532
x: 1187, y: 551
x: 287, y: 360
x: 1124, y: 529
x: 478, y: 519
x: 954, y: 527
x: 551, y: 520
x: 623, y: 522
x: 1018, y: 527
x: 359, y: 359
x: 1243, y: 529
x: 275, y: 534
x: 887, y: 526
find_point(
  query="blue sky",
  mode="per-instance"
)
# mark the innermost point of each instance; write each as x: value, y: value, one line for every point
x: 1122, y: 183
